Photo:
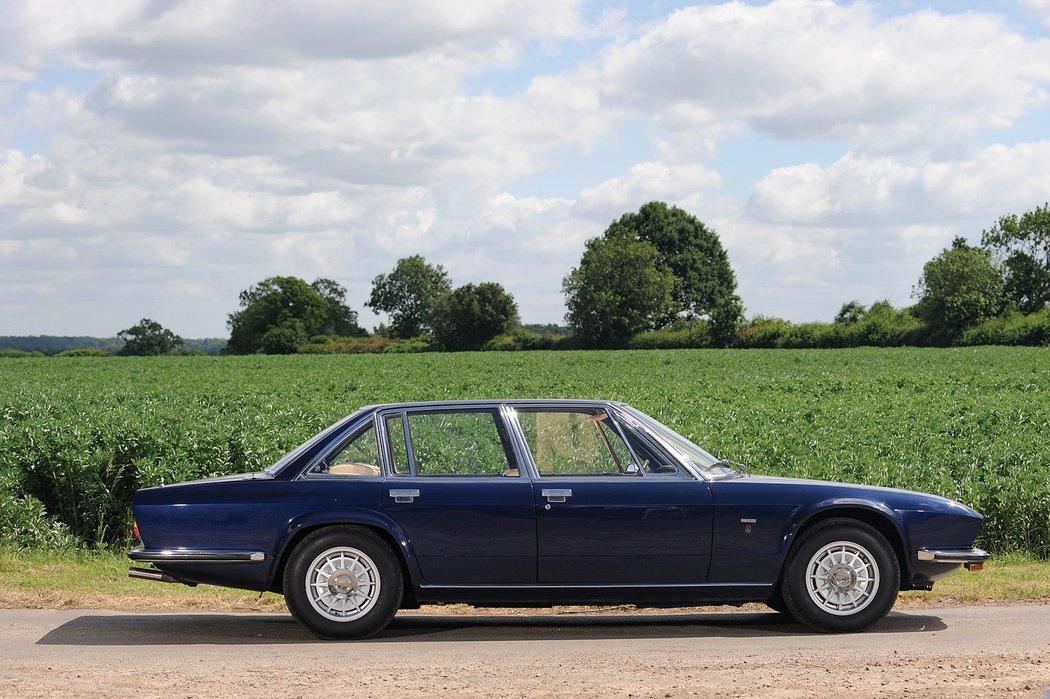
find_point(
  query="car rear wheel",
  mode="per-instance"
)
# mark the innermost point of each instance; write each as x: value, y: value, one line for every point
x: 841, y: 576
x: 343, y: 583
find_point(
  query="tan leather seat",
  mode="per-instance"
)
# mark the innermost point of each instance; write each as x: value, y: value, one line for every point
x: 355, y: 470
x: 511, y: 473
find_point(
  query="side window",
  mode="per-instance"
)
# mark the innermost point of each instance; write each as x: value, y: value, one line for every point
x: 395, y: 429
x: 575, y: 443
x: 653, y: 460
x: 459, y: 443
x: 359, y: 457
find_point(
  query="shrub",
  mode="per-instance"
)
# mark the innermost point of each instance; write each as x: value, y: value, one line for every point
x: 520, y: 339
x: 346, y: 345
x: 762, y: 331
x: 414, y: 345
x: 9, y: 353
x: 662, y: 339
x: 91, y: 352
x: 885, y: 326
x: 25, y: 524
x: 1011, y: 329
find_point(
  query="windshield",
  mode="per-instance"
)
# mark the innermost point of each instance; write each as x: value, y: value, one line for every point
x: 302, y: 448
x: 683, y: 449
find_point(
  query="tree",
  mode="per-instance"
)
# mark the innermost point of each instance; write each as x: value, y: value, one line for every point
x: 276, y: 314
x: 470, y: 316
x: 1024, y: 245
x: 958, y: 289
x: 408, y: 295
x: 850, y: 313
x: 705, y: 285
x: 342, y: 320
x: 148, y: 338
x: 619, y: 290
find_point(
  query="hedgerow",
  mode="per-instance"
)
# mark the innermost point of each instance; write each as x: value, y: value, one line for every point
x: 78, y: 437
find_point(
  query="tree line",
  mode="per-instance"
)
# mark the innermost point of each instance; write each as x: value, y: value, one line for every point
x: 656, y: 278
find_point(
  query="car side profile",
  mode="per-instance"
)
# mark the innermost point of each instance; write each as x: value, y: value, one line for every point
x: 538, y: 503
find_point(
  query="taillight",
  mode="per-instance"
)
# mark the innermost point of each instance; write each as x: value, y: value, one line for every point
x: 135, y: 529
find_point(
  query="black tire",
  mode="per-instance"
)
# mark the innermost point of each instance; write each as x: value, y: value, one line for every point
x: 840, y: 601
x: 353, y: 561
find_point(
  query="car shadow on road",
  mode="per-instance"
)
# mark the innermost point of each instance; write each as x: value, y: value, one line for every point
x: 188, y: 629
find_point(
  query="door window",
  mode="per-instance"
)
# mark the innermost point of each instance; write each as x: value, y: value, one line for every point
x: 575, y: 443
x: 451, y: 443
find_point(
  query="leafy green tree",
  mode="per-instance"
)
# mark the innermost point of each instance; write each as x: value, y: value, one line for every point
x: 285, y: 338
x: 408, y: 295
x: 342, y: 320
x: 850, y: 313
x: 620, y: 289
x: 470, y: 316
x: 958, y: 289
x: 705, y: 285
x: 1024, y: 245
x: 287, y: 307
x: 148, y: 338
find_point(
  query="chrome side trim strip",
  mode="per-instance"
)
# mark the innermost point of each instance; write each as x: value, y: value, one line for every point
x: 570, y: 586
x: 972, y: 555
x: 141, y: 555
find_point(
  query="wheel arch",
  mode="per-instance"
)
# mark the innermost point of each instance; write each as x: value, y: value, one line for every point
x: 384, y: 528
x: 883, y: 520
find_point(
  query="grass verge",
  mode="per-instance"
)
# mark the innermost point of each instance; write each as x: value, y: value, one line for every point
x: 85, y: 580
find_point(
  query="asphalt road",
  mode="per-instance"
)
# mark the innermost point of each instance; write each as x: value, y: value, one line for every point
x: 957, y: 652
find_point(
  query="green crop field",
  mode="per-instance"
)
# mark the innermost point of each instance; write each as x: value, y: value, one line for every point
x: 79, y: 435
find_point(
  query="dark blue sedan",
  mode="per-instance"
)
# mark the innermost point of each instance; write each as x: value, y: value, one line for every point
x: 537, y: 503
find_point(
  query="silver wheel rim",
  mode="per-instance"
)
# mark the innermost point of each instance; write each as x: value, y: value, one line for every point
x: 842, y: 578
x: 342, y: 584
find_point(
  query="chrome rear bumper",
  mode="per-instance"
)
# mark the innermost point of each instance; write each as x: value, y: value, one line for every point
x: 970, y: 555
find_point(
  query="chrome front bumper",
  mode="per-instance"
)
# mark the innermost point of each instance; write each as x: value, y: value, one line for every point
x: 967, y: 556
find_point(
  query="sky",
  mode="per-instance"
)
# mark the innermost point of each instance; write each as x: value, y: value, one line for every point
x: 158, y: 157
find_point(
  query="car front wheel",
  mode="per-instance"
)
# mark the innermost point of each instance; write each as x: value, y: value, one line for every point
x: 841, y: 576
x: 343, y: 583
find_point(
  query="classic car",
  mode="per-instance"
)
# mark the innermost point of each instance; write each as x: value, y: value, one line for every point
x: 538, y: 503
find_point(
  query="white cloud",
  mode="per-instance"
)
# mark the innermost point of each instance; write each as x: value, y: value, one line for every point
x: 862, y: 191
x: 152, y: 148
x: 1038, y: 8
x: 683, y: 185
x: 820, y: 70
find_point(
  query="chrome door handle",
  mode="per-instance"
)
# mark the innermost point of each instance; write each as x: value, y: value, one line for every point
x: 556, y: 494
x: 404, y: 495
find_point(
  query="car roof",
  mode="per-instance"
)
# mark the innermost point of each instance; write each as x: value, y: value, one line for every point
x: 555, y: 402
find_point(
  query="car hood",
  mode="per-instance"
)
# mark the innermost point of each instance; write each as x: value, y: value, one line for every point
x: 834, y: 485
x: 895, y: 498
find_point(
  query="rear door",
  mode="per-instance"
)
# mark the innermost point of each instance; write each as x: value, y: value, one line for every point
x: 603, y: 518
x: 454, y: 485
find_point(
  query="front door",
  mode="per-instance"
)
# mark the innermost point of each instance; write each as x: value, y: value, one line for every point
x: 454, y: 486
x: 605, y: 518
